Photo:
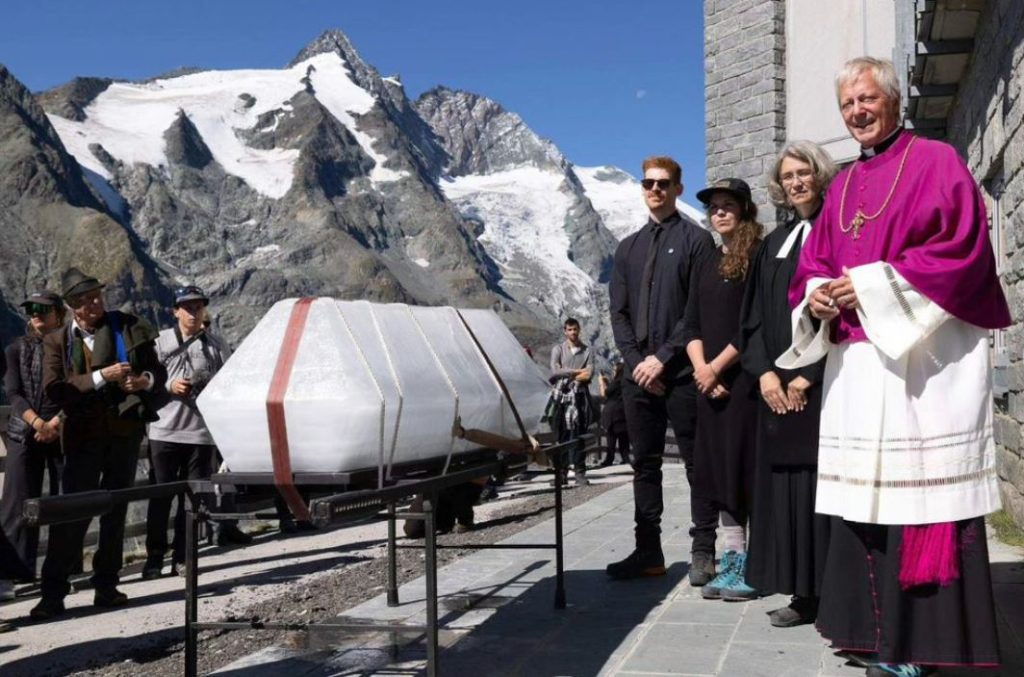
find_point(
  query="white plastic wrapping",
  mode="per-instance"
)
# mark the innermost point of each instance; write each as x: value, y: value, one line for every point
x: 371, y: 385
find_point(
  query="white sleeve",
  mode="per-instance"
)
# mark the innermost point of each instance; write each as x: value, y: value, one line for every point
x: 809, y: 345
x: 895, y: 316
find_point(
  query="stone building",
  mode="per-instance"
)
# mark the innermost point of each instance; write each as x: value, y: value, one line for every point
x: 769, y: 68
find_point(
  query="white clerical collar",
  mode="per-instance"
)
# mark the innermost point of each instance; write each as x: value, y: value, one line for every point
x: 800, y: 230
x: 576, y: 350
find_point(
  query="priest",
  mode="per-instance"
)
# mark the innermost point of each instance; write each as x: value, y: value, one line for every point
x: 897, y: 285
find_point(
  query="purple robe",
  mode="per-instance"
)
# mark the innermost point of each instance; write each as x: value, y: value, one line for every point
x: 934, y: 233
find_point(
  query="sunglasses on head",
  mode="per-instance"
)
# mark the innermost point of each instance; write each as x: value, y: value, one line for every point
x: 188, y: 291
x: 663, y: 184
x: 38, y: 309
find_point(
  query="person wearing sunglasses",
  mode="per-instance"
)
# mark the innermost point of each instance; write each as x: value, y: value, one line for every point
x: 33, y: 435
x: 100, y: 368
x: 180, y: 445
x: 648, y: 291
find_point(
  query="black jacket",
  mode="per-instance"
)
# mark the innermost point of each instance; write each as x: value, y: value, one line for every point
x: 681, y: 246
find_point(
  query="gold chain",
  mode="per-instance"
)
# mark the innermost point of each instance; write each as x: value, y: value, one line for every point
x: 859, y: 216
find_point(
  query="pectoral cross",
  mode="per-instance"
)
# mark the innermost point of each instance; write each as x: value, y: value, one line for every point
x: 856, y: 223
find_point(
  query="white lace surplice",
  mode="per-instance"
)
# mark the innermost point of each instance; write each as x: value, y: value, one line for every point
x: 906, y: 421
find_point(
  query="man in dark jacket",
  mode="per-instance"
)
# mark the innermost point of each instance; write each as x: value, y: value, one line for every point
x: 648, y: 291
x: 100, y: 368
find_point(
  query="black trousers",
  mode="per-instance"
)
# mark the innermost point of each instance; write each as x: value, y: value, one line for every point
x: 618, y: 440
x: 647, y: 418
x: 23, y: 479
x: 100, y: 462
x: 171, y: 462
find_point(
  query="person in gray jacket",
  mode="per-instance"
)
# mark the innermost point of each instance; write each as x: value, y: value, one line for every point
x: 181, y: 446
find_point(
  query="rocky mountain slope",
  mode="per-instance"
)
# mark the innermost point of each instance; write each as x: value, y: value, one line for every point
x: 320, y: 178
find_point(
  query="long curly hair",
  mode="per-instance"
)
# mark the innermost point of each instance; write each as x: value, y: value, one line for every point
x: 736, y: 259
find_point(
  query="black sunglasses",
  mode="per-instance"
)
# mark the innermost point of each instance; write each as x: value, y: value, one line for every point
x: 186, y: 291
x: 38, y: 309
x: 663, y: 184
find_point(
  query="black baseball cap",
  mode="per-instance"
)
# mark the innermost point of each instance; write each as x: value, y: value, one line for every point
x: 190, y: 293
x: 44, y: 297
x: 736, y: 187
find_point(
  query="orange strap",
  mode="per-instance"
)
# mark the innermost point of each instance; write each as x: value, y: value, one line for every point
x: 275, y: 410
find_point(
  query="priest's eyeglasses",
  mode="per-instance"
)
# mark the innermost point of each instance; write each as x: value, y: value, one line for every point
x: 802, y: 175
x: 662, y: 184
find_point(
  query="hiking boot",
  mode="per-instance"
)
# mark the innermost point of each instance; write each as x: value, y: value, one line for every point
x: 713, y: 590
x: 702, y: 568
x: 150, y: 573
x: 736, y: 589
x: 801, y: 611
x: 639, y: 564
x: 898, y: 670
x: 581, y: 479
x: 6, y: 590
x: 108, y: 598
x: 48, y: 607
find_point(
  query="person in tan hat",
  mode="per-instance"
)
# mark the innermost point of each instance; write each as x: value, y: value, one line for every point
x: 100, y: 368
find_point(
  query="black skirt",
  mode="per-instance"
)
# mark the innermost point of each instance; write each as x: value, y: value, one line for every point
x: 863, y: 608
x: 724, y: 446
x: 788, y: 540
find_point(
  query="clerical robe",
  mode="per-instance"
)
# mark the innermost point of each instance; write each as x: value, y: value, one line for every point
x: 906, y: 426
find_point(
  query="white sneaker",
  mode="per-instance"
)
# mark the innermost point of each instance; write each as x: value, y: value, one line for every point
x: 6, y: 590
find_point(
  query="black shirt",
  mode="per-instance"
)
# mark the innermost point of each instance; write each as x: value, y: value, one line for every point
x: 681, y: 245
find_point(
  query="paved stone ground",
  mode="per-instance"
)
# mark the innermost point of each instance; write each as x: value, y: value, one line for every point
x: 498, y: 615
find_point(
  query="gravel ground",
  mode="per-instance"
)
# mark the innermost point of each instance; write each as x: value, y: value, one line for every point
x: 329, y: 596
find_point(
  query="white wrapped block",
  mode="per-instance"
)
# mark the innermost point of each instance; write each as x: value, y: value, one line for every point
x: 371, y: 385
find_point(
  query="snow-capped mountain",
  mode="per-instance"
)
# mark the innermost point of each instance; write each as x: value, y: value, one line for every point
x: 323, y: 178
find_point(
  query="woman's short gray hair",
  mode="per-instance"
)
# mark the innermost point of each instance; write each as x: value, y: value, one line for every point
x: 882, y: 71
x: 805, y: 151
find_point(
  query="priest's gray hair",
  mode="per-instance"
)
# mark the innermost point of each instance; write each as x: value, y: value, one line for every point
x: 804, y: 151
x: 882, y: 70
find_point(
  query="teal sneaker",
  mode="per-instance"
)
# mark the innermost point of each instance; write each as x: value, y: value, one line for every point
x: 713, y: 590
x: 736, y: 589
x: 898, y: 670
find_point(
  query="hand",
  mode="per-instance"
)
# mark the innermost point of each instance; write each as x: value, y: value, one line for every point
x: 842, y: 292
x: 656, y: 387
x: 116, y: 373
x: 719, y: 392
x: 821, y: 304
x: 774, y: 396
x: 181, y: 387
x: 583, y: 375
x: 648, y: 371
x: 133, y: 384
x: 797, y: 391
x: 705, y: 377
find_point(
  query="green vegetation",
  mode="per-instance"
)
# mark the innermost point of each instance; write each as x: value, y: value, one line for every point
x: 1006, y: 529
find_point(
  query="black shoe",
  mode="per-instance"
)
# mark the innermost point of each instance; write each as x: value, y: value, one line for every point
x: 606, y: 464
x: 801, y: 611
x: 232, y: 535
x: 109, y: 598
x: 639, y: 564
x: 46, y: 609
x: 305, y: 525
x: 150, y: 573
x: 287, y: 526
x: 702, y: 568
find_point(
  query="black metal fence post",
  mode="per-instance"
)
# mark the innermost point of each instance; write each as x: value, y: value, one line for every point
x: 191, y: 590
x: 392, y: 556
x: 430, y: 536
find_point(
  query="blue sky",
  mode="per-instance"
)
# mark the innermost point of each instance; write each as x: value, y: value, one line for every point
x: 609, y: 81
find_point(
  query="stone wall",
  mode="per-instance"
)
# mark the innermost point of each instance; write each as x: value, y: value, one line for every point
x: 986, y: 127
x: 744, y: 91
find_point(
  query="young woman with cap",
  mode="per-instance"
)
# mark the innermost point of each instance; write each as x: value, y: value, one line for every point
x: 726, y: 405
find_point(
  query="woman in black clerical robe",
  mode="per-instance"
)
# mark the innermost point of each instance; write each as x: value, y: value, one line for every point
x: 788, y: 540
x: 726, y: 401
